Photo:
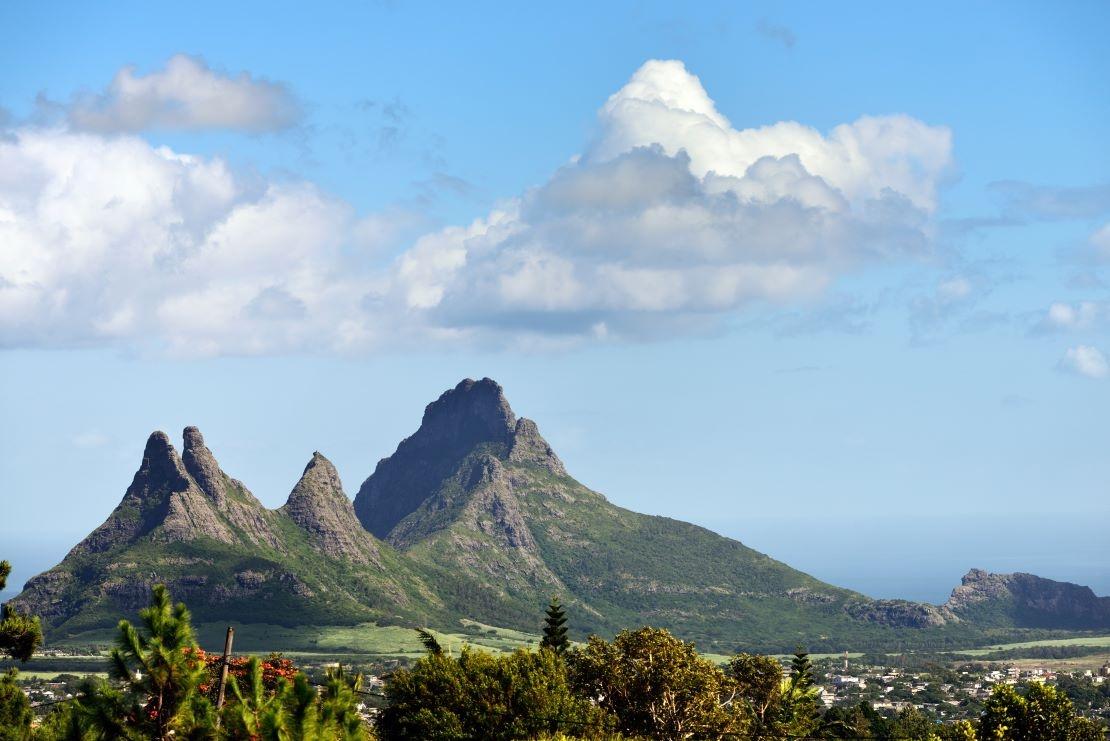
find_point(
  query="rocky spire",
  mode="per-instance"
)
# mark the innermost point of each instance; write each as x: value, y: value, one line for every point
x: 162, y: 494
x: 202, y: 466
x: 319, y: 506
x: 529, y: 447
x: 161, y: 467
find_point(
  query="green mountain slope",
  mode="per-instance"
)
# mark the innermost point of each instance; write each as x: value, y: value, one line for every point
x: 475, y: 517
x: 186, y: 523
x: 501, y: 514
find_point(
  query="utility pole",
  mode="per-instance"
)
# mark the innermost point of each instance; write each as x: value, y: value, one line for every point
x: 223, y: 671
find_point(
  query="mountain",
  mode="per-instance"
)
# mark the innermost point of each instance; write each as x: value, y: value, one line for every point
x: 1027, y: 601
x: 480, y: 494
x: 475, y: 516
x: 186, y: 523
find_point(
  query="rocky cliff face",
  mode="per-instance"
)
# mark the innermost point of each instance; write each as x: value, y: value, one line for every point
x: 231, y: 498
x: 902, y: 613
x: 1028, y: 601
x: 471, y: 415
x: 163, y: 501
x: 319, y: 506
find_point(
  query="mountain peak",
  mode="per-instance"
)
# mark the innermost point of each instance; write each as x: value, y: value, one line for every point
x: 202, y: 466
x: 160, y: 462
x: 473, y: 411
x: 472, y: 415
x: 162, y: 495
x: 319, y: 506
x: 320, y: 470
x: 530, y: 447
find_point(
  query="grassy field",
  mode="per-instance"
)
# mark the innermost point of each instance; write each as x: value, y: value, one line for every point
x: 368, y: 639
x: 371, y: 641
x: 1079, y: 641
x: 23, y: 674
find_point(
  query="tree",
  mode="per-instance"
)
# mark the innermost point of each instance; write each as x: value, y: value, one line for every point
x: 339, y: 718
x: 158, y: 673
x: 800, y: 716
x: 480, y: 696
x: 758, y: 682
x: 555, y: 628
x: 293, y: 711
x: 253, y: 711
x: 1042, y: 713
x: 429, y: 641
x: 19, y: 635
x: 15, y: 709
x: 848, y: 722
x: 657, y: 686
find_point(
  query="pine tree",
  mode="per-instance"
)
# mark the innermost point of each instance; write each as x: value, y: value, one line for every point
x: 428, y: 640
x: 19, y: 635
x: 156, y: 673
x: 555, y: 629
x: 800, y: 700
x: 801, y: 670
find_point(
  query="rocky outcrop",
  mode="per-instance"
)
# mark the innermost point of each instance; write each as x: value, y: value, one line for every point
x: 163, y: 501
x: 901, y: 613
x: 319, y: 506
x: 202, y: 466
x: 231, y: 498
x: 529, y: 447
x: 471, y: 415
x: 1029, y: 601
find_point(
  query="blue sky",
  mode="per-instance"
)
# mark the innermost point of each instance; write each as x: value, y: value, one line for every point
x: 872, y: 342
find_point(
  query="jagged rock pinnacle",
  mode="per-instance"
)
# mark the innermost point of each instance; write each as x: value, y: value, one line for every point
x: 160, y: 465
x: 319, y: 506
x: 202, y: 466
x: 163, y: 497
x: 530, y: 447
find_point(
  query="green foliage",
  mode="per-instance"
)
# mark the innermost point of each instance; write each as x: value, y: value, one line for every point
x: 429, y: 641
x: 19, y: 635
x: 64, y: 723
x: 480, y: 696
x: 338, y: 707
x: 1041, y: 713
x: 758, y: 683
x: 853, y: 722
x: 800, y: 716
x: 555, y: 628
x: 15, y: 710
x: 157, y: 692
x: 295, y: 711
x: 657, y: 686
x: 157, y: 674
x: 253, y: 711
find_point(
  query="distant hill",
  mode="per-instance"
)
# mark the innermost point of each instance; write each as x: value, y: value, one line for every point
x: 474, y: 516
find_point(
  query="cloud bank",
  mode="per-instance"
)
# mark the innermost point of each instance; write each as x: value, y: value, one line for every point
x: 670, y: 221
x: 187, y: 94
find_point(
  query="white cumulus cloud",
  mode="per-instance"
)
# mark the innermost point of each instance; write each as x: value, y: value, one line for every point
x: 111, y: 240
x: 674, y: 215
x: 187, y: 94
x: 669, y: 221
x: 1086, y: 361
